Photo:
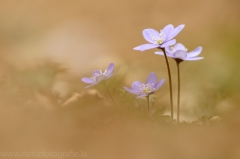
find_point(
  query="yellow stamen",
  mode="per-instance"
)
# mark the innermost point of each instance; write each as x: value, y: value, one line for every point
x: 159, y: 41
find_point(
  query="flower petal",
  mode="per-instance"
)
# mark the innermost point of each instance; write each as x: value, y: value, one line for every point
x: 149, y: 33
x: 110, y: 75
x: 193, y: 58
x: 169, y: 43
x: 179, y: 46
x: 180, y: 54
x: 159, y: 53
x: 146, y: 47
x: 195, y: 52
x: 136, y: 85
x: 159, y: 84
x: 168, y: 50
x: 100, y: 78
x: 110, y: 69
x: 133, y: 91
x: 152, y: 78
x: 175, y: 32
x: 168, y: 29
x: 88, y: 80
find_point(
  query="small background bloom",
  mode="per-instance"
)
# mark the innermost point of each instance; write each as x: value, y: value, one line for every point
x: 143, y: 90
x: 99, y: 75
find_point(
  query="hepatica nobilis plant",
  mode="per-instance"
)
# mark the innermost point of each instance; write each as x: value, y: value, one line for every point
x: 161, y: 40
x: 144, y: 90
x: 164, y: 41
x: 179, y: 53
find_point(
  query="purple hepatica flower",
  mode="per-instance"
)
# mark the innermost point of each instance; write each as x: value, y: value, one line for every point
x: 143, y: 90
x: 179, y: 53
x: 98, y: 75
x: 160, y: 39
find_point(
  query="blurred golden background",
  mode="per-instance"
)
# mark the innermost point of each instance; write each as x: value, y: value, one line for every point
x: 47, y: 46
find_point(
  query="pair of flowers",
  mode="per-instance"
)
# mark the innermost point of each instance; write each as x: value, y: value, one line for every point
x: 138, y: 87
x: 164, y: 39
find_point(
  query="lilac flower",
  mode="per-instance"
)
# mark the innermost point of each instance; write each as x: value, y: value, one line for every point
x: 160, y: 39
x: 98, y: 75
x: 143, y: 90
x: 179, y: 52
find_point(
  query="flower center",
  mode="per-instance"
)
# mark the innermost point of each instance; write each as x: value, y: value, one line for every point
x: 94, y: 77
x: 146, y: 88
x: 159, y: 39
x: 104, y: 73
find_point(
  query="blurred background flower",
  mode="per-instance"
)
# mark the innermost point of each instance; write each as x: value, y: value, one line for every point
x: 99, y: 75
x: 144, y: 90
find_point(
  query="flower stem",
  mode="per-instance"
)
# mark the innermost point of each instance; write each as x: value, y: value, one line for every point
x: 109, y: 93
x: 148, y: 102
x: 170, y: 80
x: 178, y: 99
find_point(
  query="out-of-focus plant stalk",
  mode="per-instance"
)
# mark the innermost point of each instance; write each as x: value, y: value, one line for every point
x: 104, y: 83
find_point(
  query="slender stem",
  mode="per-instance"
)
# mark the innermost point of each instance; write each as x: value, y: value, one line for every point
x: 170, y: 81
x: 109, y: 93
x: 178, y: 99
x: 148, y: 102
